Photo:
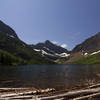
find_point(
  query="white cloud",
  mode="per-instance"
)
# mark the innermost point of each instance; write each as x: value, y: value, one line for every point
x: 54, y: 42
x: 64, y: 45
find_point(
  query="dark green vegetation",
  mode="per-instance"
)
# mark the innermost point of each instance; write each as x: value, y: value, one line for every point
x: 9, y: 59
x: 20, y: 49
x: 11, y: 47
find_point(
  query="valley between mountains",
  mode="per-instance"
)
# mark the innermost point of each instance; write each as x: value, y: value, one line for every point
x: 13, y: 51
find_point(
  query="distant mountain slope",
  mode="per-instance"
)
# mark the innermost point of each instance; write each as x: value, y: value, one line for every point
x: 87, y: 52
x: 90, y: 45
x: 10, y: 42
x: 90, y: 59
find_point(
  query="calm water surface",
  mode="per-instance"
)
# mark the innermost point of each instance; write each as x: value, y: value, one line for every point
x: 48, y: 76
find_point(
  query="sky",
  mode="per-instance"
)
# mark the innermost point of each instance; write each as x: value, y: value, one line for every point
x: 64, y: 22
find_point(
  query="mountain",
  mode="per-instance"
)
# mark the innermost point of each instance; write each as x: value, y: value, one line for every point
x: 13, y: 46
x: 87, y: 52
x: 88, y: 59
x: 49, y: 47
x: 14, y: 51
x: 51, y: 50
x: 7, y: 30
x: 90, y: 45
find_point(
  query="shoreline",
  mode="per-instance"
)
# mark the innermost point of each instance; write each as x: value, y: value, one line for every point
x: 49, y: 93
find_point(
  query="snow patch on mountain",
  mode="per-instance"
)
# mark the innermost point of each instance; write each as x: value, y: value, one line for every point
x: 44, y: 52
x: 46, y: 48
x: 37, y: 50
x: 55, y: 54
x: 63, y: 55
x: 11, y: 36
x: 49, y: 50
x: 95, y: 52
x: 85, y: 54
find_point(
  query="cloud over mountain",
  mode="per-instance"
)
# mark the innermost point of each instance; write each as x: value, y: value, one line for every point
x: 64, y: 45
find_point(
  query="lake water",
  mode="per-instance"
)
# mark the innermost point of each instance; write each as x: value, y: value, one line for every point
x: 48, y: 76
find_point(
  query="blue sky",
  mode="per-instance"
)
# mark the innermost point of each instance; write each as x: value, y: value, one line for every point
x: 62, y: 21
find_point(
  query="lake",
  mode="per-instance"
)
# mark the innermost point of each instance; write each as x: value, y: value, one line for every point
x: 49, y: 76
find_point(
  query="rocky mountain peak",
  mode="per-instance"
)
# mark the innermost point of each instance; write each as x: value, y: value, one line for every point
x: 47, y: 41
x: 50, y: 48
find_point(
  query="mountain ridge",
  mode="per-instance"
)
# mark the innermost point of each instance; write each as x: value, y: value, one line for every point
x: 90, y: 45
x: 45, y: 52
x: 87, y: 52
x: 10, y: 42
